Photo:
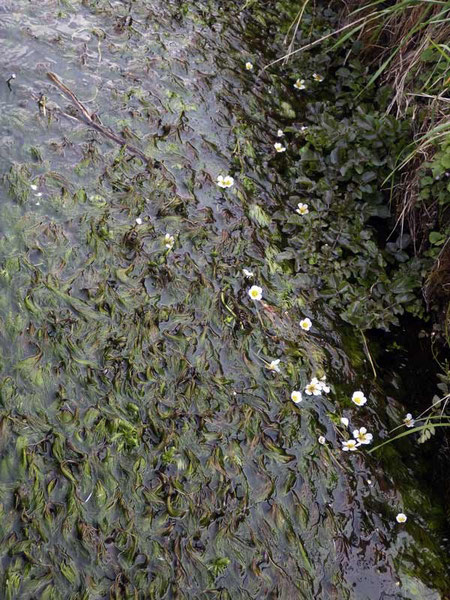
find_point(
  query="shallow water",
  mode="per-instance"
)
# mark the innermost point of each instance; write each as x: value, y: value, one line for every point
x: 146, y: 449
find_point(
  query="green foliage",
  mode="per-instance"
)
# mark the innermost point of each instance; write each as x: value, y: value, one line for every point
x: 147, y: 451
x: 435, y: 177
x: 339, y: 163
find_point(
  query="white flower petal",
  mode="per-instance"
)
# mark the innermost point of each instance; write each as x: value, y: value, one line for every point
x: 255, y: 292
x: 306, y: 324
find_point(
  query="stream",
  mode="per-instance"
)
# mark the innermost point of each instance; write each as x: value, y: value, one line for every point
x: 149, y: 445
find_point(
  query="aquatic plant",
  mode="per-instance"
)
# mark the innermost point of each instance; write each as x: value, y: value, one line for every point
x: 147, y: 449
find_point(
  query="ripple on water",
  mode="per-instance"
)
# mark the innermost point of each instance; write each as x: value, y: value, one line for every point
x: 147, y: 451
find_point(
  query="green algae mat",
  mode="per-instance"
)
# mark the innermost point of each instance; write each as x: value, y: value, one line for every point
x: 172, y: 376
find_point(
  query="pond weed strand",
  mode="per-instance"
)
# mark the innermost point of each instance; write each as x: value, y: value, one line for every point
x: 146, y: 450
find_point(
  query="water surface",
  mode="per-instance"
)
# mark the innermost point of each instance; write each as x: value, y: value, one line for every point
x: 146, y: 449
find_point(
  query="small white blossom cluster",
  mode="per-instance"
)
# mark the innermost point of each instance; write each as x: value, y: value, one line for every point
x: 317, y: 387
x: 361, y: 436
x: 300, y: 84
x: 169, y: 241
x: 225, y: 181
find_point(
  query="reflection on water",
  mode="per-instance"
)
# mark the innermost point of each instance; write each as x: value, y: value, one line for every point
x: 146, y: 449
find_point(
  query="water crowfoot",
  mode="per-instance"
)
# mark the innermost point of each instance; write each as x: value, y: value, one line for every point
x: 249, y: 66
x: 306, y: 324
x: 344, y: 421
x: 248, y: 274
x: 296, y: 396
x: 314, y: 387
x: 302, y: 209
x: 401, y: 518
x: 321, y: 439
x: 318, y: 77
x: 279, y: 147
x: 225, y: 181
x: 362, y: 436
x: 300, y: 84
x: 323, y: 383
x: 408, y: 420
x: 358, y: 398
x: 349, y: 446
x: 273, y: 366
x: 169, y: 241
x: 255, y: 292
x: 280, y: 133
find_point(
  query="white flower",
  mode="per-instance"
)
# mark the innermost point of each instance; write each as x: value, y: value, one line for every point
x: 318, y: 77
x: 279, y: 147
x: 273, y: 366
x: 33, y: 187
x: 351, y: 446
x: 302, y: 209
x: 280, y: 133
x: 321, y: 440
x: 408, y: 420
x: 255, y: 292
x: 249, y: 66
x: 323, y: 384
x: 362, y: 436
x: 247, y: 273
x: 300, y: 84
x: 38, y: 195
x: 296, y: 396
x: 303, y: 128
x: 169, y: 241
x: 358, y: 398
x: 401, y: 518
x: 139, y: 221
x: 225, y: 182
x: 306, y: 324
x: 314, y: 387
x: 344, y: 421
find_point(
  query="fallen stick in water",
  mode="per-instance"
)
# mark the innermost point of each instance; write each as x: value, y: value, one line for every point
x: 83, y: 115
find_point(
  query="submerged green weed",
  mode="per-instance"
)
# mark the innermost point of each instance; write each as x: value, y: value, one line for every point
x: 150, y: 445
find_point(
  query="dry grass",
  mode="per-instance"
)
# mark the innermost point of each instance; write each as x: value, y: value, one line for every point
x: 395, y: 40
